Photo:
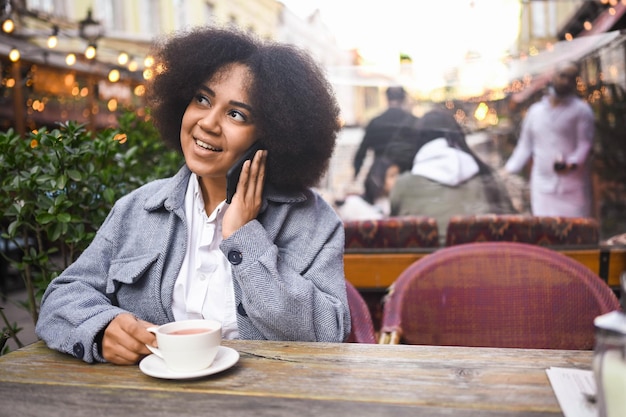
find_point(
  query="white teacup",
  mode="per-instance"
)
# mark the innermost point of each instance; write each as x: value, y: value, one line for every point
x: 187, y: 345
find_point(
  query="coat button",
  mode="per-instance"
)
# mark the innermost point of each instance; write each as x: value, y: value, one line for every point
x: 241, y: 310
x: 79, y: 350
x: 234, y: 257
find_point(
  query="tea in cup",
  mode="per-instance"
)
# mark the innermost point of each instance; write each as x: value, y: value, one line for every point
x: 187, y: 345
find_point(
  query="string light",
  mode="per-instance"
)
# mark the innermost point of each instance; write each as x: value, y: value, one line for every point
x: 122, y: 58
x: 70, y: 59
x: 8, y: 26
x: 53, y: 40
x: 133, y: 66
x: 14, y: 55
x: 114, y: 75
x: 90, y: 52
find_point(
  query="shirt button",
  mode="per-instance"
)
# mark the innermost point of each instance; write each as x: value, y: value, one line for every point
x: 241, y: 310
x: 202, y: 277
x: 234, y: 257
x: 79, y: 350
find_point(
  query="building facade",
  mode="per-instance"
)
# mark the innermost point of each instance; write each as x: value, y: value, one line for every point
x: 59, y: 82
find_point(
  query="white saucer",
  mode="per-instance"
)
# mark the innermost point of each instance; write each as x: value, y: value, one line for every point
x: 154, y: 366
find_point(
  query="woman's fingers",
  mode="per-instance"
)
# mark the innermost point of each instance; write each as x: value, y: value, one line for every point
x: 125, y: 338
x: 257, y: 178
x: 248, y: 198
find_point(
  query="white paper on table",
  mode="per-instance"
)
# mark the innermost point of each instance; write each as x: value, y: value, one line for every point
x: 572, y: 388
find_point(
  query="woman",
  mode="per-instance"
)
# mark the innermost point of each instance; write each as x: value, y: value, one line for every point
x: 374, y: 202
x: 446, y: 178
x: 269, y: 265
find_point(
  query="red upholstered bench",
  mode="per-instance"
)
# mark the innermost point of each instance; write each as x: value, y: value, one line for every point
x: 393, y: 232
x: 543, y: 231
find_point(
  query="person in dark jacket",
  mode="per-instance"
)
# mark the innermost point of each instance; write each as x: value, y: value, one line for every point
x: 384, y: 128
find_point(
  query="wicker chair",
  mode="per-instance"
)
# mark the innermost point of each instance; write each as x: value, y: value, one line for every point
x: 362, y: 326
x: 392, y: 234
x: 538, y: 230
x: 496, y: 294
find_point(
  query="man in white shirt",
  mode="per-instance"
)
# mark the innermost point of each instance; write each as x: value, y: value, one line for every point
x: 558, y: 133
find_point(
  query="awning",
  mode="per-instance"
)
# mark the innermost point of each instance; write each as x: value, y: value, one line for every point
x: 541, y: 66
x: 562, y: 51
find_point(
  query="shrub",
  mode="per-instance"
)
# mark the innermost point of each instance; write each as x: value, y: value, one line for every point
x: 57, y: 186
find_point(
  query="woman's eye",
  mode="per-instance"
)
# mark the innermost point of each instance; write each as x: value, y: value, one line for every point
x: 237, y: 115
x: 202, y: 99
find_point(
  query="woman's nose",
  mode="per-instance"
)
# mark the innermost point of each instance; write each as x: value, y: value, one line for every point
x: 209, y: 121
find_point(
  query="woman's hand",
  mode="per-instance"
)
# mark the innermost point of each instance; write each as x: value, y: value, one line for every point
x: 247, y: 200
x: 125, y: 338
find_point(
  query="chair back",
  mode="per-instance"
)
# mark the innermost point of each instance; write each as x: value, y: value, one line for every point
x: 538, y: 230
x: 393, y: 232
x: 496, y: 294
x: 362, y: 325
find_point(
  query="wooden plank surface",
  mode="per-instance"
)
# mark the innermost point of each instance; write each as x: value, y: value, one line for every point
x: 289, y: 378
x: 373, y: 270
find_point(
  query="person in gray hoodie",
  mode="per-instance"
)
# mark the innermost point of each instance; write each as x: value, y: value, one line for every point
x: 267, y: 264
x: 446, y: 178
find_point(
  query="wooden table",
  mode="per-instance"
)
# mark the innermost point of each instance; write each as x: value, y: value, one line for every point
x: 295, y: 379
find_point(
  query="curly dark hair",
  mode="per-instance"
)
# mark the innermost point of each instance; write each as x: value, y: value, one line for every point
x: 295, y: 109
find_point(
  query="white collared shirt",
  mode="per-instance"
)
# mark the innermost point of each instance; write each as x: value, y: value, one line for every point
x: 204, y: 286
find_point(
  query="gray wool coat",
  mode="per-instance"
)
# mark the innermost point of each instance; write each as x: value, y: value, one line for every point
x: 287, y: 268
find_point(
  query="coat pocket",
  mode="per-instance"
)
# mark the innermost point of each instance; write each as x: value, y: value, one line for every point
x: 128, y: 270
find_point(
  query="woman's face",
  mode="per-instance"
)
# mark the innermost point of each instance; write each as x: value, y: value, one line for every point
x: 218, y: 125
x: 390, y: 178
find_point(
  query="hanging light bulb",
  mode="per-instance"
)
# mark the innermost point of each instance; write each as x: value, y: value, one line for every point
x: 8, y: 26
x: 90, y: 52
x: 114, y: 75
x: 14, y: 55
x: 70, y: 59
x: 52, y: 42
x: 53, y: 39
x: 133, y: 65
x: 122, y: 58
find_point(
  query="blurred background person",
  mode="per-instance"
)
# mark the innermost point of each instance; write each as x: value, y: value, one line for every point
x: 557, y: 134
x: 374, y: 202
x: 383, y: 128
x: 447, y: 178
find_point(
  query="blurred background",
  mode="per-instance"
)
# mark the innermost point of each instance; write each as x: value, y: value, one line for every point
x: 485, y: 60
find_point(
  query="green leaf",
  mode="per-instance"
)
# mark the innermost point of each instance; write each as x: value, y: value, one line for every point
x: 55, y: 232
x: 64, y: 217
x: 61, y: 182
x: 75, y: 175
x: 13, y: 228
x: 109, y: 194
x: 45, y: 218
